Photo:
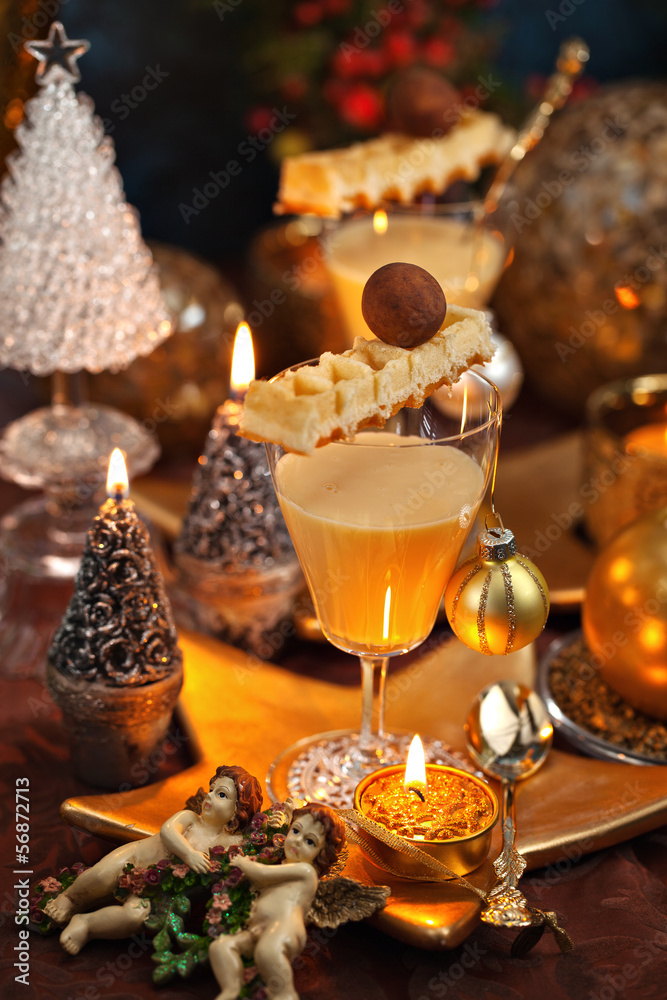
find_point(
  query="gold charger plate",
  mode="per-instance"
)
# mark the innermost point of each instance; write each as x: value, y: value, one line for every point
x: 237, y: 709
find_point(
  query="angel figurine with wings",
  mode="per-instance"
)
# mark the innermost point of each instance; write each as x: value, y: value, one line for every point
x: 290, y: 895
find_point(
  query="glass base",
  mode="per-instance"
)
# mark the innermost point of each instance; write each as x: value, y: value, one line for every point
x: 66, y: 448
x: 63, y: 450
x: 41, y: 538
x: 328, y: 767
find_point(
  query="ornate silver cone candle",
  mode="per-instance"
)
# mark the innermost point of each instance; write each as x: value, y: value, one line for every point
x: 238, y: 574
x: 114, y: 667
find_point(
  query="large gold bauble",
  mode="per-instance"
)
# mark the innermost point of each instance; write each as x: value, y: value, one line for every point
x: 585, y: 299
x: 624, y: 613
x: 498, y: 601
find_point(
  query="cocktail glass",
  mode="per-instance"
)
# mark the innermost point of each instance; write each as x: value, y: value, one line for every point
x: 463, y: 246
x: 378, y: 523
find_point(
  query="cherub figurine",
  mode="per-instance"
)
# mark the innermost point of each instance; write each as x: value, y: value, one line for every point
x: 290, y: 896
x: 234, y: 797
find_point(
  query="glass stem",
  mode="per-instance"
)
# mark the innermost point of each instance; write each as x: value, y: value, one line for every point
x: 67, y: 389
x: 372, y: 705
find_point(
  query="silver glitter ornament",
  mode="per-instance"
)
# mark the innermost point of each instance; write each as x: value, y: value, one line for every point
x: 78, y: 289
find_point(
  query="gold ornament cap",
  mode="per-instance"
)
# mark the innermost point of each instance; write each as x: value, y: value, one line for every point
x: 496, y: 545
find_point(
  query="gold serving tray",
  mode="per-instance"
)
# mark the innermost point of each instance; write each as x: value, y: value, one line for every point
x: 236, y: 709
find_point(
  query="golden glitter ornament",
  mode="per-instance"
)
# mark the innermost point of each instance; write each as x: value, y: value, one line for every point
x: 624, y: 614
x: 498, y: 601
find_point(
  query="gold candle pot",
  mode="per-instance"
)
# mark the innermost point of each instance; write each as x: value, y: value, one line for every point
x: 625, y: 474
x: 461, y: 853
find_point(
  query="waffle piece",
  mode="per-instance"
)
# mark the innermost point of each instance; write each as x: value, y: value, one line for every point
x: 391, y: 167
x: 313, y: 405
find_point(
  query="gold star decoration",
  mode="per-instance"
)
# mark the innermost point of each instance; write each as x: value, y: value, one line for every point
x: 57, y: 53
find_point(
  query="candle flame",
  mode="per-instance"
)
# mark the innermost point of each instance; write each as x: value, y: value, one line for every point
x: 387, y: 609
x: 546, y: 732
x: 243, y: 359
x: 464, y: 407
x: 626, y: 297
x: 380, y: 221
x: 117, y: 480
x: 415, y: 769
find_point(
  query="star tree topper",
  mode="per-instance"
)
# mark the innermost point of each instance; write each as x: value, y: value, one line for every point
x: 57, y: 52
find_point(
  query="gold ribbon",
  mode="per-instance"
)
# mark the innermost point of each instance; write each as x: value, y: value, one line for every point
x: 358, y: 825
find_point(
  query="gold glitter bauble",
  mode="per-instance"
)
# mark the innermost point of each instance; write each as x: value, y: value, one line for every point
x: 625, y: 614
x: 498, y: 601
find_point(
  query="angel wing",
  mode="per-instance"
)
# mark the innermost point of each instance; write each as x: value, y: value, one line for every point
x: 341, y: 899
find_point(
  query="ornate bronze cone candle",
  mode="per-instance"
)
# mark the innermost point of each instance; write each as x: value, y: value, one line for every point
x: 237, y: 570
x: 114, y: 667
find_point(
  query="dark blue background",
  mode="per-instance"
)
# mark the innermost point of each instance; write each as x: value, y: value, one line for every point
x: 193, y: 122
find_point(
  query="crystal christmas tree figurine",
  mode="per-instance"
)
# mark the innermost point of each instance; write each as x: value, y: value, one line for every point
x: 78, y: 289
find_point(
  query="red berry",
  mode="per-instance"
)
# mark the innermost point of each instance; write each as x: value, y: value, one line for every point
x: 258, y: 118
x: 308, y: 13
x: 400, y: 48
x: 438, y: 52
x: 361, y: 107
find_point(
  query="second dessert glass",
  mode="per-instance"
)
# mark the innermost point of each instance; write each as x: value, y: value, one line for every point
x: 378, y: 523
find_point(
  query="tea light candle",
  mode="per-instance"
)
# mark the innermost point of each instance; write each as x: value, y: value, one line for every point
x: 444, y: 811
x: 427, y: 802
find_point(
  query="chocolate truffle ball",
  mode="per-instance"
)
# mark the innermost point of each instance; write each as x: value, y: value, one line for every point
x: 422, y: 103
x: 403, y: 304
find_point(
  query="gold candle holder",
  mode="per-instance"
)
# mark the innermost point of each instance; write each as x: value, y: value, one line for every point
x: 460, y: 854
